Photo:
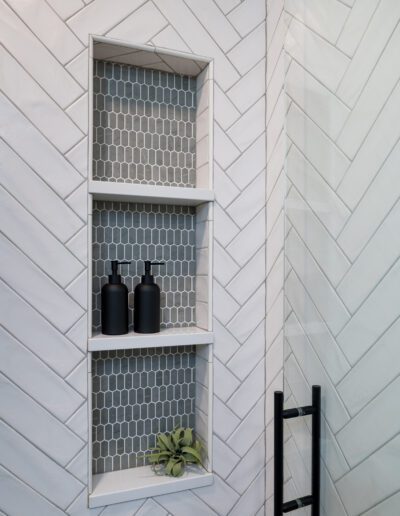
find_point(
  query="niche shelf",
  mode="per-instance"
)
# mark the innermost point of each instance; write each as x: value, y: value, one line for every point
x: 125, y: 485
x: 150, y: 197
x: 167, y: 337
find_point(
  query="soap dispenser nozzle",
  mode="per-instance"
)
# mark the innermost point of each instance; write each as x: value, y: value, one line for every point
x: 114, y: 277
x: 148, y: 277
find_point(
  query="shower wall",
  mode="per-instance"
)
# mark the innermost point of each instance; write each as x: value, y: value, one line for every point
x: 43, y: 176
x: 342, y: 249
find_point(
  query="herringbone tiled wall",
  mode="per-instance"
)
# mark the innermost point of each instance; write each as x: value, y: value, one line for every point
x: 43, y: 148
x: 342, y: 248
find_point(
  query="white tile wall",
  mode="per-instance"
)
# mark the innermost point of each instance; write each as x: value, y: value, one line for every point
x: 44, y: 158
x: 342, y: 248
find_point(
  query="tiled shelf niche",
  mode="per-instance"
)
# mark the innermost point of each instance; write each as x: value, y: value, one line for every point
x: 150, y: 197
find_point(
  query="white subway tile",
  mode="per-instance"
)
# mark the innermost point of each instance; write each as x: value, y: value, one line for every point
x: 225, y: 421
x: 37, y: 60
x: 137, y: 25
x: 372, y: 264
x: 28, y: 418
x: 169, y: 38
x: 200, y: 42
x: 246, y: 395
x: 17, y: 498
x: 372, y: 98
x: 36, y: 469
x: 36, y: 105
x: 225, y: 383
x: 316, y: 55
x: 219, y: 496
x: 249, y: 164
x: 326, y: 17
x: 326, y: 205
x: 357, y: 444
x: 249, y: 51
x: 249, y: 126
x: 315, y: 328
x: 249, y: 429
x: 322, y: 106
x: 66, y: 9
x: 249, y: 202
x: 249, y: 467
x: 373, y: 371
x: 315, y: 374
x: 383, y: 464
x: 225, y: 152
x: 316, y: 146
x: 225, y: 343
x: 225, y: 112
x: 320, y: 290
x: 249, y: 88
x: 249, y: 353
x: 372, y: 44
x: 374, y: 316
x: 224, y: 227
x: 224, y: 459
x: 246, y: 16
x: 249, y: 278
x: 38, y: 289
x: 249, y: 240
x: 319, y: 242
x: 225, y: 307
x: 35, y: 378
x: 224, y: 188
x: 215, y: 22
x: 38, y: 16
x: 98, y: 18
x: 249, y: 316
x: 37, y: 151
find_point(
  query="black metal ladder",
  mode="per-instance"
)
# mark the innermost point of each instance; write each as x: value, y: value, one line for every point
x: 280, y: 414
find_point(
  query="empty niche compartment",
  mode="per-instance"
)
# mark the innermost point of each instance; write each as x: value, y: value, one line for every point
x: 150, y: 116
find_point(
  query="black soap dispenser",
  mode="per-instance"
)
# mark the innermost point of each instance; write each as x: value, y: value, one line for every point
x: 146, y: 313
x: 114, y: 303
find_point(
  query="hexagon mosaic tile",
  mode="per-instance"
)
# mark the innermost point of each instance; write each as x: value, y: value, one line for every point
x: 137, y: 394
x: 138, y: 232
x: 143, y: 126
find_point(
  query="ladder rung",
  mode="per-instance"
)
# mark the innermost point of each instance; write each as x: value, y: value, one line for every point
x: 298, y: 503
x: 298, y: 412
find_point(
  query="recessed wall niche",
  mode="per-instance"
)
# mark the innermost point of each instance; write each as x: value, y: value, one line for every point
x: 138, y: 393
x: 150, y: 198
x: 136, y: 232
x: 144, y: 127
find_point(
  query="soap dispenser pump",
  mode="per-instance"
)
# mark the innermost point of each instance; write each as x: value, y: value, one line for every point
x: 147, y: 312
x: 114, y: 303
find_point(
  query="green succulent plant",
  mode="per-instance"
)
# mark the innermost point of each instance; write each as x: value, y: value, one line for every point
x: 173, y: 451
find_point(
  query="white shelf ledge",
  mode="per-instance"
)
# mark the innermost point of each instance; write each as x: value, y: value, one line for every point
x: 131, y: 192
x: 166, y: 337
x: 135, y: 483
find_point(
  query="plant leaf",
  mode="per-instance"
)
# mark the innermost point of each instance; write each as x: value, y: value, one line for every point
x: 177, y: 469
x: 191, y: 451
x: 166, y: 441
x: 187, y: 437
x: 170, y: 464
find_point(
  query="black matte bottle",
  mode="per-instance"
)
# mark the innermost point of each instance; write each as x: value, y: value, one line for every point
x: 147, y: 312
x: 114, y: 303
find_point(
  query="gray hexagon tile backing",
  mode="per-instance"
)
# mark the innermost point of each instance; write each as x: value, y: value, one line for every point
x: 137, y: 394
x: 143, y: 126
x: 138, y: 232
